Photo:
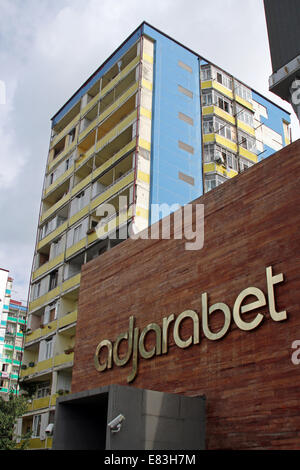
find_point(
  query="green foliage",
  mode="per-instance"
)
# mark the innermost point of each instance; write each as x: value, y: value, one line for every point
x: 10, y: 411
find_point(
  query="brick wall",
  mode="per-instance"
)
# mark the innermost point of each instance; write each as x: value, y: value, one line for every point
x: 252, y: 386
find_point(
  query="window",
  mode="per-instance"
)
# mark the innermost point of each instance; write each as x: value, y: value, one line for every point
x: 80, y: 200
x: 43, y: 390
x: 223, y: 129
x: 224, y: 104
x: 224, y: 79
x: 77, y: 234
x: 244, y: 115
x: 208, y: 126
x: 72, y: 135
x: 209, y: 153
x: 244, y: 165
x: 53, y: 279
x: 207, y: 99
x: 205, y: 72
x: 243, y: 91
x: 49, y: 348
x: 37, y: 290
x: 36, y: 425
x: 247, y: 142
x: 209, y: 185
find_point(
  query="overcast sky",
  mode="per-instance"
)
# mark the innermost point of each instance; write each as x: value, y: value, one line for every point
x: 48, y: 48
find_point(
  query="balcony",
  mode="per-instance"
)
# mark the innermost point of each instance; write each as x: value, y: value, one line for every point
x: 57, y: 205
x: 48, y: 266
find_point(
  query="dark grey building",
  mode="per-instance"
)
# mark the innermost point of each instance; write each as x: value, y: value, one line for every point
x: 283, y: 24
x: 122, y: 418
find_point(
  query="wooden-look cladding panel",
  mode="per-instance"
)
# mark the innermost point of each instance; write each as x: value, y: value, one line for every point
x: 252, y: 387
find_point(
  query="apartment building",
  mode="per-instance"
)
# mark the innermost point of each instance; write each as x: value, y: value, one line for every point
x: 13, y: 324
x: 155, y: 124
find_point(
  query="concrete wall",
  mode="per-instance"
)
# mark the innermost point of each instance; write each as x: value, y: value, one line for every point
x: 153, y: 420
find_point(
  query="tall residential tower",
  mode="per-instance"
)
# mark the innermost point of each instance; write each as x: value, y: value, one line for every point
x: 156, y: 123
x: 13, y: 324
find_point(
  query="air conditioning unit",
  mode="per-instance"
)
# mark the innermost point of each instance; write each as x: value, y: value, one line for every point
x: 220, y: 160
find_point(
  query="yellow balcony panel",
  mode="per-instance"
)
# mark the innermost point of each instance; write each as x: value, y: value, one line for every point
x: 90, y: 104
x: 222, y: 89
x: 226, y: 142
x: 129, y: 147
x: 62, y: 155
x: 113, y: 224
x: 36, y: 443
x: 44, y: 365
x: 88, y: 129
x: 224, y: 115
x: 46, y: 298
x: 82, y: 184
x: 122, y: 183
x: 55, y: 207
x: 206, y: 84
x: 76, y: 247
x: 67, y: 319
x: 59, y: 180
x: 63, y: 359
x: 221, y: 170
x: 79, y: 215
x: 71, y: 283
x: 116, y: 130
x: 206, y: 110
x: 50, y: 327
x: 28, y: 371
x: 247, y: 154
x: 209, y: 167
x: 39, y: 403
x: 65, y: 131
x: 219, y: 112
x: 121, y: 75
x: 47, y: 266
x: 119, y: 101
x: 243, y: 102
x: 250, y: 130
x: 209, y: 138
x: 53, y: 235
x: 34, y: 335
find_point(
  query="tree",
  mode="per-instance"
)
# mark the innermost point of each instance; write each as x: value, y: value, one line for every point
x: 10, y: 411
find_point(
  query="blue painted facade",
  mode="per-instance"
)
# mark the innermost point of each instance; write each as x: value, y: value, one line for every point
x: 167, y: 159
x: 275, y: 119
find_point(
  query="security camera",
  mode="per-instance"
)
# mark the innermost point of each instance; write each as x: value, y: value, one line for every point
x: 116, y: 423
x: 49, y: 429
